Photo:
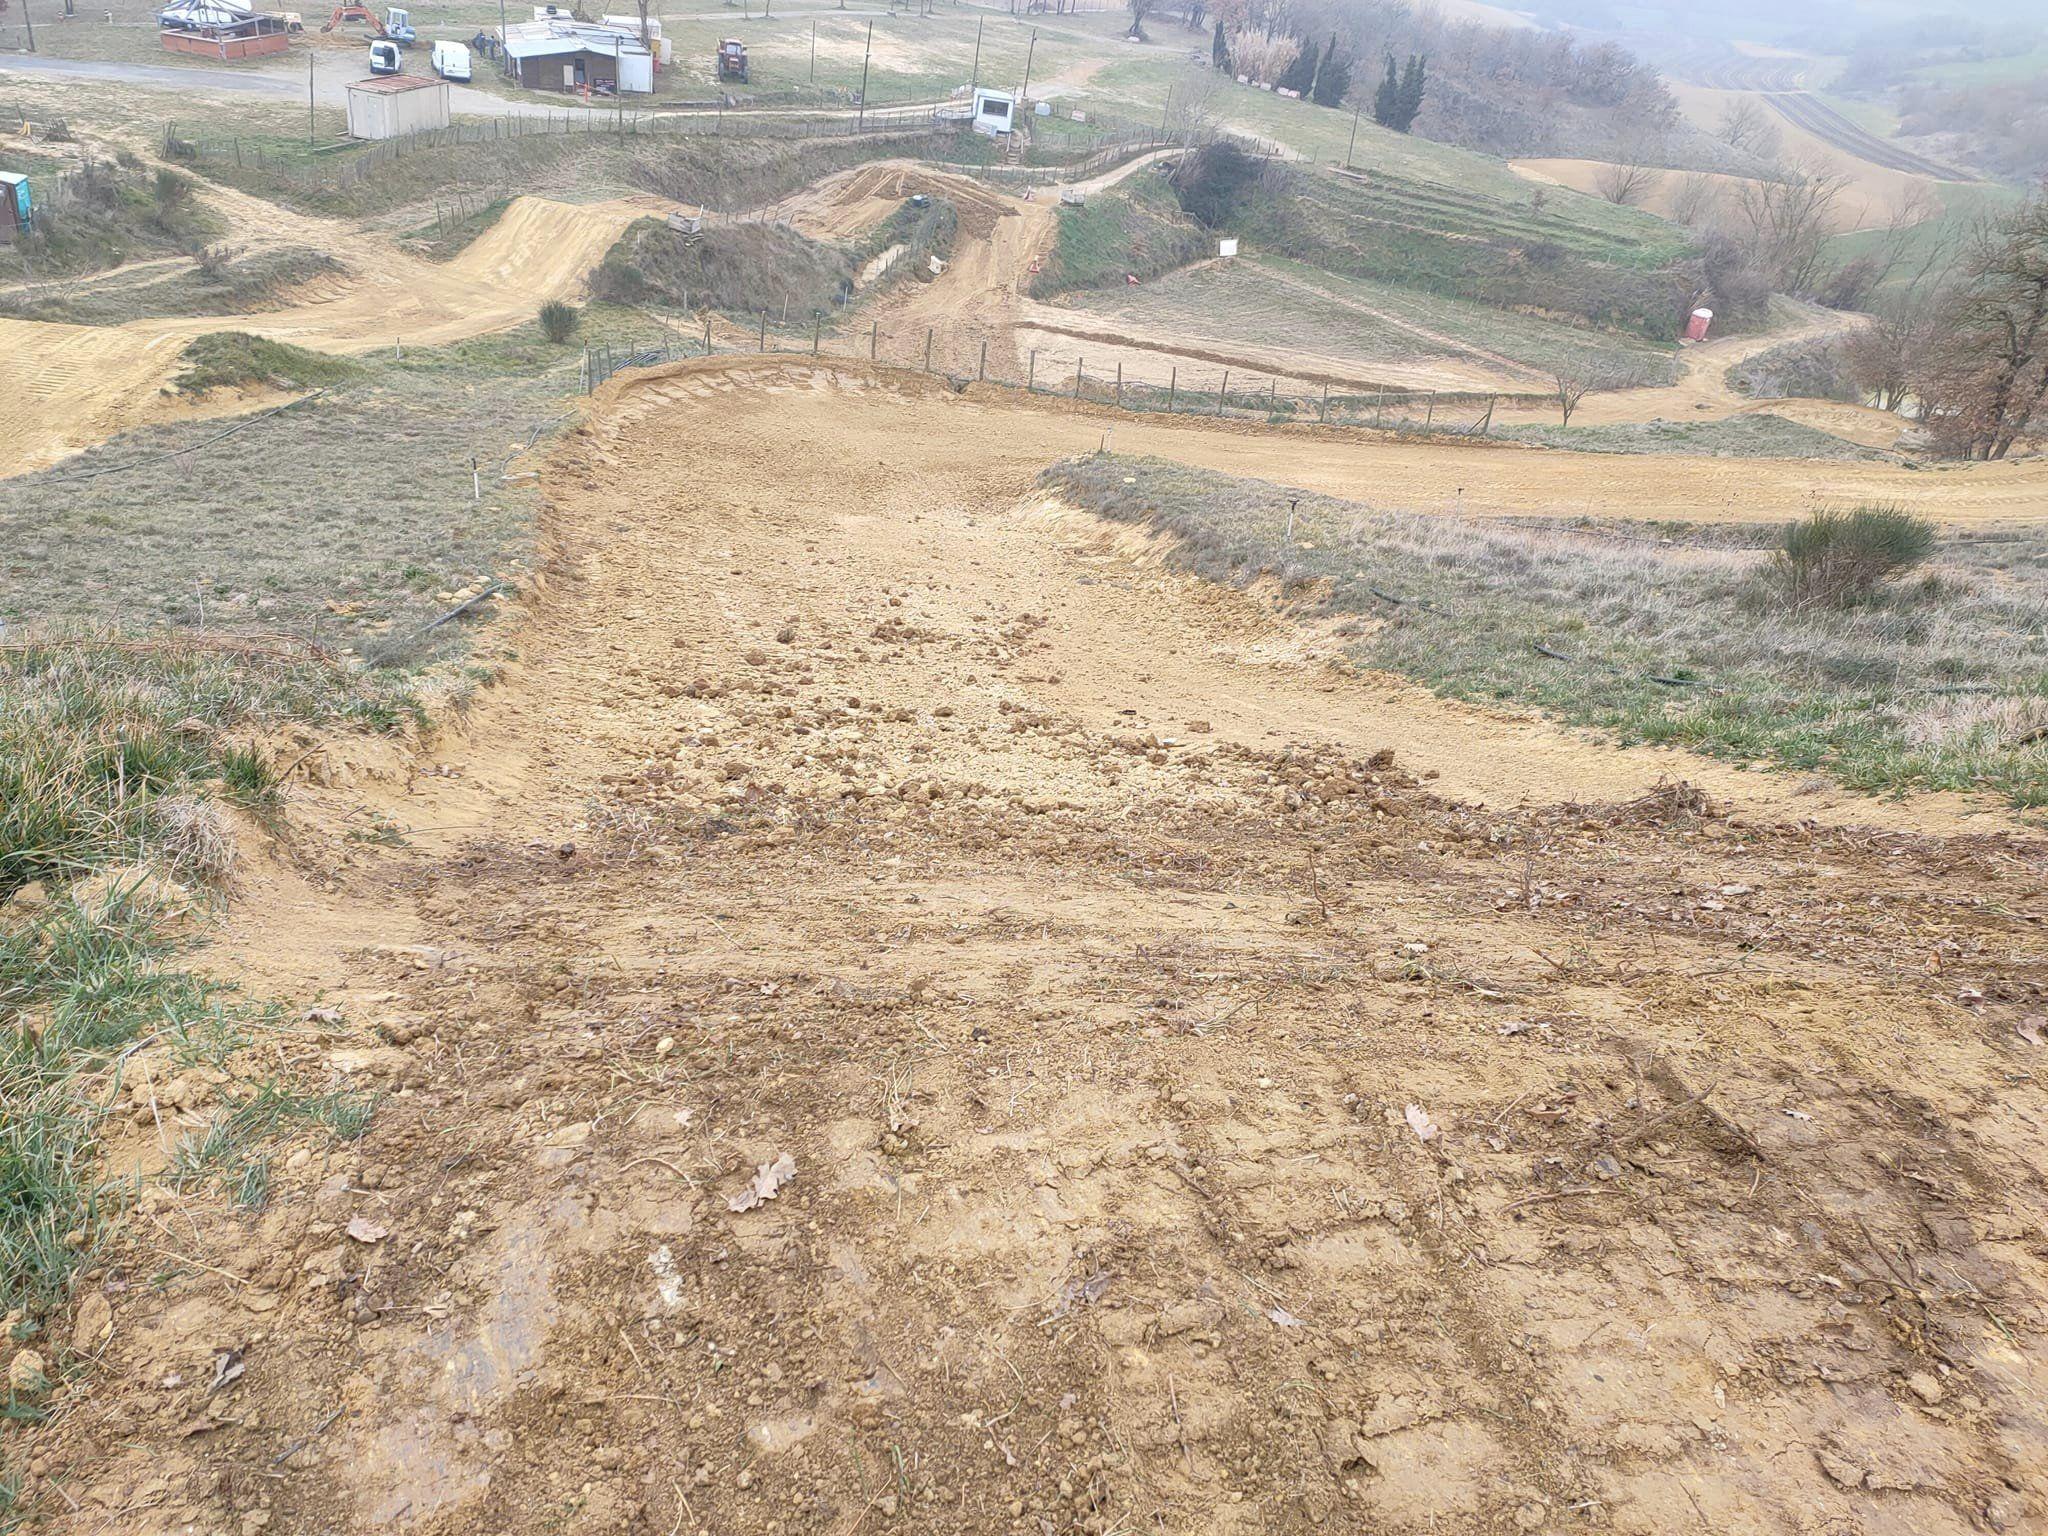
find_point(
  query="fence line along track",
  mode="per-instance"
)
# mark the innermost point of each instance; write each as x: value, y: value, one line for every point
x: 1210, y: 391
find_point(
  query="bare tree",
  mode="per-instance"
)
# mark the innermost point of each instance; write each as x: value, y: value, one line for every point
x: 1140, y: 9
x: 1631, y: 176
x: 1987, y: 383
x: 1695, y: 199
x: 1191, y: 113
x: 1746, y: 125
x: 1783, y: 223
x: 1571, y: 389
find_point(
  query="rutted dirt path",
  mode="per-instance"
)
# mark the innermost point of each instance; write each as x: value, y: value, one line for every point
x: 1194, y: 1120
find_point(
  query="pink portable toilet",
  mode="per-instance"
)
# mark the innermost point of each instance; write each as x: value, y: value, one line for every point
x: 1696, y: 326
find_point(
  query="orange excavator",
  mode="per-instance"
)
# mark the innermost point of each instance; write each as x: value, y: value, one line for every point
x: 396, y: 24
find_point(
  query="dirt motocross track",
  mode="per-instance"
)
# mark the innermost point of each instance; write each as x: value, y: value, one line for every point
x: 1200, y: 1088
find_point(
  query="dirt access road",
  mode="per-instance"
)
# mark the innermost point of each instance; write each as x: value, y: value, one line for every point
x: 1193, y: 1118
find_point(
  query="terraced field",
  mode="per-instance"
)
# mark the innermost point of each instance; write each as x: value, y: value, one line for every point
x: 1281, y: 305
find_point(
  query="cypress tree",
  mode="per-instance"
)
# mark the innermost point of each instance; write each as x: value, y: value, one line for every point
x: 1219, y: 51
x: 1333, y: 80
x: 1386, y: 101
x: 1409, y: 97
x: 1300, y: 76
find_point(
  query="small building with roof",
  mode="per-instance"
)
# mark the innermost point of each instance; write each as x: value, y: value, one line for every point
x: 391, y: 106
x: 221, y: 29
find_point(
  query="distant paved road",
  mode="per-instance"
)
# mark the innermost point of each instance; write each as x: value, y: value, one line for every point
x: 170, y: 75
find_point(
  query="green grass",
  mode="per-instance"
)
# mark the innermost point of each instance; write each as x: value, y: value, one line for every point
x: 739, y: 269
x: 115, y: 759
x: 347, y: 521
x: 221, y: 282
x: 1136, y: 227
x: 1288, y: 304
x: 109, y: 215
x: 1757, y: 436
x: 237, y: 360
x: 1470, y: 246
x: 1963, y: 205
x: 1933, y: 683
x: 457, y: 231
x: 1961, y: 74
x: 697, y: 167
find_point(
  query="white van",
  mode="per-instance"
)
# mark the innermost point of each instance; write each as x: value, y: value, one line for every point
x: 451, y: 61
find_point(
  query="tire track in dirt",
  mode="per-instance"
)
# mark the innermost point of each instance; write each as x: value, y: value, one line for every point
x: 1200, y: 1122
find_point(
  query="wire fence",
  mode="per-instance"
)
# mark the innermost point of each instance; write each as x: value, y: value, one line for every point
x: 1153, y: 386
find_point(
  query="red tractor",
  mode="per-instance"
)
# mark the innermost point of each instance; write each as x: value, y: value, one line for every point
x: 731, y: 60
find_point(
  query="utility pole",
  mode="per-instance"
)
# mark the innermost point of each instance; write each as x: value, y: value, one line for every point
x: 309, y: 95
x: 504, y: 37
x: 861, y: 121
x: 976, y: 80
x: 1354, y: 135
x: 30, y: 22
x: 814, y: 52
x: 1024, y: 96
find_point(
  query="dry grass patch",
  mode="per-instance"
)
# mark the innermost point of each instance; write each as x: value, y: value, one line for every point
x: 1667, y: 634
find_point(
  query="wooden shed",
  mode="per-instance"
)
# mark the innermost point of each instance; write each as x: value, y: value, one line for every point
x: 391, y: 106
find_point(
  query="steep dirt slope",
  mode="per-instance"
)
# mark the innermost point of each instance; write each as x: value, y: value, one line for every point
x: 1179, y: 1115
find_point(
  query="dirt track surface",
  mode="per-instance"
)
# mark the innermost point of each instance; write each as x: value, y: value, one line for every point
x: 66, y: 387
x: 1198, y: 1120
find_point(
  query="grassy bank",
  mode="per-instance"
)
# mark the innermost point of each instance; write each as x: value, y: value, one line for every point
x: 1757, y: 436
x: 1275, y: 302
x: 1136, y: 227
x: 697, y: 168
x: 216, y: 281
x: 172, y: 604
x: 349, y: 520
x: 121, y: 765
x: 1935, y: 682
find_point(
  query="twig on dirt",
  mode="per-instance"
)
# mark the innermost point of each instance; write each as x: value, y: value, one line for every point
x: 1180, y: 1429
x: 664, y: 1162
x: 1672, y: 1113
x: 1555, y: 1194
x: 299, y: 1445
x: 1315, y: 886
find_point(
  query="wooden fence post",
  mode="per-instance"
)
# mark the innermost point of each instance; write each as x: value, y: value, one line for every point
x: 1077, y: 378
x: 816, y: 321
x: 982, y: 374
x: 1431, y: 415
x: 927, y: 349
x: 874, y: 339
x: 1223, y: 394
x: 764, y: 330
x: 707, y: 333
x: 1119, y: 384
x: 1172, y: 388
x: 1031, y: 375
x: 1326, y: 404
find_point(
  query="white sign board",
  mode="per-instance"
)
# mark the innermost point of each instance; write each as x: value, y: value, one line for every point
x: 1227, y: 247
